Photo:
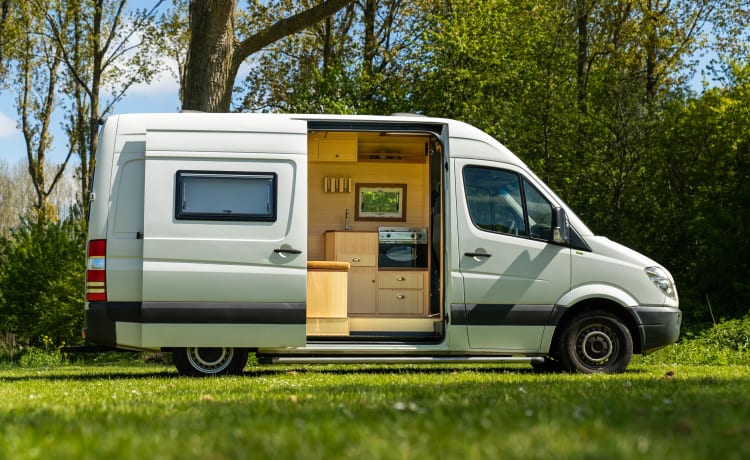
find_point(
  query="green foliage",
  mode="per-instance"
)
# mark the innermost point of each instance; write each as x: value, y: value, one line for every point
x: 733, y: 334
x: 701, y: 183
x: 42, y: 281
x: 330, y: 68
x: 727, y: 342
x: 620, y: 138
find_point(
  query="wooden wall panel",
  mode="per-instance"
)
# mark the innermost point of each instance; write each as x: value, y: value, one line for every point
x: 326, y: 210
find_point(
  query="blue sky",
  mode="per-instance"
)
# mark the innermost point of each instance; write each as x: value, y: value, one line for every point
x: 160, y: 96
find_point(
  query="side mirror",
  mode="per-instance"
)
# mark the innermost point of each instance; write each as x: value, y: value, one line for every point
x: 560, y: 227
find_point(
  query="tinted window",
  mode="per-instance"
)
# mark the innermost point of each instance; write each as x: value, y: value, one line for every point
x: 495, y: 200
x: 539, y: 211
x: 225, y: 196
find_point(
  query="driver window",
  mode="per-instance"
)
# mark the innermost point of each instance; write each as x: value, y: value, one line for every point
x: 539, y: 211
x: 495, y: 202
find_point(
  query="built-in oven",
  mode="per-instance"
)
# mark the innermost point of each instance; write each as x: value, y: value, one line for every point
x: 402, y: 247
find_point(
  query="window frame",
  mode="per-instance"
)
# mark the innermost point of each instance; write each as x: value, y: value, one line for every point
x: 270, y: 216
x: 523, y: 181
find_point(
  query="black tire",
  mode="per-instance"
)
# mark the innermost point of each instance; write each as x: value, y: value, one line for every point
x: 206, y: 361
x: 596, y: 342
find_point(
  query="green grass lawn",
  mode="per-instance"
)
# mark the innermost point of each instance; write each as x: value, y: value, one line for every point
x: 359, y: 412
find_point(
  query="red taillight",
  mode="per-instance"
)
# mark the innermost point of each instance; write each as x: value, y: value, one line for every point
x: 96, y: 271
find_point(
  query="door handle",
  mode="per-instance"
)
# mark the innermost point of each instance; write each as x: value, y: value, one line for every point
x: 287, y: 251
x: 477, y: 254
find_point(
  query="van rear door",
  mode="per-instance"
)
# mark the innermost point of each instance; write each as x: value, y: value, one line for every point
x: 225, y: 232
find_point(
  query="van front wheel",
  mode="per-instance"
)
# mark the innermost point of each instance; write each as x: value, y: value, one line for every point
x: 205, y: 361
x: 596, y: 342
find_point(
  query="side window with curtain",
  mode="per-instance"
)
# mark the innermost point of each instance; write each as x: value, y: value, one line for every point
x: 495, y: 200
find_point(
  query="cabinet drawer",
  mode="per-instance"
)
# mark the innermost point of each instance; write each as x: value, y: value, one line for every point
x: 401, y: 301
x: 359, y: 260
x: 400, y: 280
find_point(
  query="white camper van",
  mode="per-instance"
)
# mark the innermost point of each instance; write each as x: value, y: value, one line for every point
x: 312, y: 238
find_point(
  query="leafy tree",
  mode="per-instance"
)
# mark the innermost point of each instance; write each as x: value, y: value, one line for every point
x: 592, y: 95
x: 215, y: 53
x: 705, y: 188
x: 174, y: 39
x: 14, y: 200
x: 7, y: 32
x: 353, y: 62
x: 103, y: 49
x: 37, y: 78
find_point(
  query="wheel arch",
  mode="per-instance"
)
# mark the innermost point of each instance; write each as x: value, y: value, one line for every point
x: 622, y: 312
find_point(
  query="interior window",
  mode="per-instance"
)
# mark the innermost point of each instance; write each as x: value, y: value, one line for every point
x: 495, y: 200
x: 207, y: 195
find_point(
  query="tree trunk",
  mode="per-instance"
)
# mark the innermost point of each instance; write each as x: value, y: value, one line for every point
x: 215, y: 55
x: 209, y: 62
x: 582, y: 24
x: 327, y: 44
x: 371, y: 44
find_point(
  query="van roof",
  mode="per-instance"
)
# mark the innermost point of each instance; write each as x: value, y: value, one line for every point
x: 138, y: 123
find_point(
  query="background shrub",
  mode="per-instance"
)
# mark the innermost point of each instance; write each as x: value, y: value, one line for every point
x: 42, y: 281
x: 727, y: 342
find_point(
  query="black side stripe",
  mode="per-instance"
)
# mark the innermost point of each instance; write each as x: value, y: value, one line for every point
x: 207, y: 312
x: 504, y: 315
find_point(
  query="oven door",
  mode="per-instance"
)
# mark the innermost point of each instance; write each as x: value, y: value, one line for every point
x: 402, y: 255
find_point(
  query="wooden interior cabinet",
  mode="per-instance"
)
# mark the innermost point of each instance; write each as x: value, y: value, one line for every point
x: 402, y: 292
x: 372, y: 292
x: 333, y: 147
x: 327, y: 298
x: 363, y: 291
x: 360, y: 250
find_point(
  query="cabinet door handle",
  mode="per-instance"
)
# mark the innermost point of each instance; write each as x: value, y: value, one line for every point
x: 356, y: 259
x: 400, y: 278
x: 400, y: 296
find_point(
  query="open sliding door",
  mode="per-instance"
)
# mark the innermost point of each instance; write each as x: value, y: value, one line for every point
x: 225, y: 234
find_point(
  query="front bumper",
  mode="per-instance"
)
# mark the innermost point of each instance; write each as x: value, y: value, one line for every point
x: 658, y: 326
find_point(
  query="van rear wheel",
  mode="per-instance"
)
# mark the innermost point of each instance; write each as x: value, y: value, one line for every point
x: 205, y: 361
x: 596, y: 342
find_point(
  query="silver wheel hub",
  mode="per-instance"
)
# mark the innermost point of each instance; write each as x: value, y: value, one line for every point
x: 596, y: 345
x: 210, y: 360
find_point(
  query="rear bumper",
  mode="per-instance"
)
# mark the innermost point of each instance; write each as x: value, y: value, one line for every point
x: 100, y: 328
x: 658, y: 326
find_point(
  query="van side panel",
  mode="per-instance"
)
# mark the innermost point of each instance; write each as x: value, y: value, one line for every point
x: 222, y: 279
x: 219, y: 261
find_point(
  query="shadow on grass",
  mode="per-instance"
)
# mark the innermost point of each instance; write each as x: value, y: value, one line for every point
x: 89, y: 373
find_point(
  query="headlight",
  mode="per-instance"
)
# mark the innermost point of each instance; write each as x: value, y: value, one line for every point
x: 662, y: 280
